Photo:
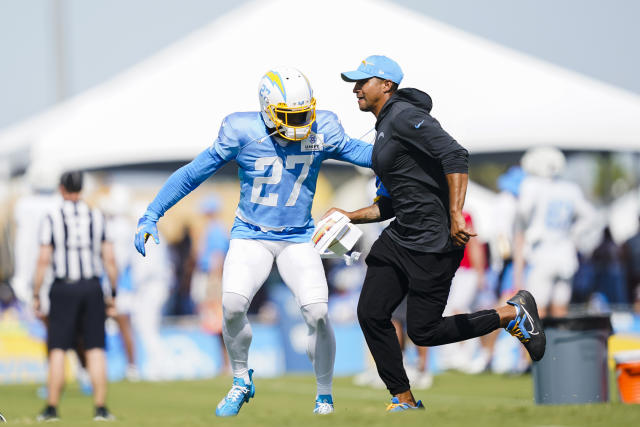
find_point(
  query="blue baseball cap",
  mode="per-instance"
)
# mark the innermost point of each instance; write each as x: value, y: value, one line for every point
x: 375, y: 66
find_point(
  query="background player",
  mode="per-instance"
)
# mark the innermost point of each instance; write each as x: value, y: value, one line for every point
x: 279, y: 151
x: 551, y: 214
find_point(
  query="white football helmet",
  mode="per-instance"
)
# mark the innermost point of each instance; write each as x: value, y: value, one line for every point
x: 546, y: 162
x: 287, y: 103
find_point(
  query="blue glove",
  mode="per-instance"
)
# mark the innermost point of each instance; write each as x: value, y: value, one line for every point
x: 146, y: 228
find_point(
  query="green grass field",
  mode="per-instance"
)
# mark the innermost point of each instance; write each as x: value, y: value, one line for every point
x: 454, y: 400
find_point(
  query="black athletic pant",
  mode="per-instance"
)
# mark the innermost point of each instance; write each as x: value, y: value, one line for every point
x: 394, y: 271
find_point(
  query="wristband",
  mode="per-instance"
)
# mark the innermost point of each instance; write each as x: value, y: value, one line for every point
x: 113, y: 293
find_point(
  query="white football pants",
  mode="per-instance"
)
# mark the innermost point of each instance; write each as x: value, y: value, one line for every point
x: 246, y: 267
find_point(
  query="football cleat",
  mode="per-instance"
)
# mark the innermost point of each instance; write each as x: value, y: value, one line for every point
x: 324, y: 404
x: 527, y: 326
x: 48, y: 414
x: 103, y: 414
x: 237, y: 396
x: 396, y: 406
x: 2, y: 419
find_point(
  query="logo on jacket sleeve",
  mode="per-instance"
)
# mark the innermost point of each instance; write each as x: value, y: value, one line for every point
x: 314, y: 142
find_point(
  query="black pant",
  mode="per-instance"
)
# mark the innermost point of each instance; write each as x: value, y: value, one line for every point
x: 393, y: 272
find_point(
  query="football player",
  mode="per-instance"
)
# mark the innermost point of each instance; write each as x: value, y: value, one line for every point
x: 279, y: 151
x: 552, y: 215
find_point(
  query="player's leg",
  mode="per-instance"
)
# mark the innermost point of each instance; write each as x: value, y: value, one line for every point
x: 301, y: 269
x: 56, y: 376
x: 563, y: 270
x: 560, y: 298
x: 246, y: 267
x: 539, y: 283
x: 61, y: 336
x: 430, y: 278
x: 423, y: 379
x: 94, y: 339
x: 126, y: 331
x: 458, y: 355
x: 383, y: 289
x: 97, y: 367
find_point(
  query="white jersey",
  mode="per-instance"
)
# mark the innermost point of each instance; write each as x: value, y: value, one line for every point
x: 28, y: 214
x: 550, y: 209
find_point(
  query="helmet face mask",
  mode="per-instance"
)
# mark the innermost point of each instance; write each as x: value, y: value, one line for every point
x: 287, y: 103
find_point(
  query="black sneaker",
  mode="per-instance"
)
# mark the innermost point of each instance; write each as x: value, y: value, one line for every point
x: 103, y: 414
x: 527, y: 326
x: 49, y: 414
x: 2, y: 419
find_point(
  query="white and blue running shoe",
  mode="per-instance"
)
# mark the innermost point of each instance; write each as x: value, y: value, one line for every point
x: 324, y: 404
x: 237, y: 396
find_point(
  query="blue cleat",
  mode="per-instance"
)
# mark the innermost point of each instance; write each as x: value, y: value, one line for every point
x: 396, y: 406
x: 237, y: 396
x: 324, y: 404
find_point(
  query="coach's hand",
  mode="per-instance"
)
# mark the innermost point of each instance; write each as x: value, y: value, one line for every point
x: 146, y: 228
x: 460, y: 232
x: 332, y: 210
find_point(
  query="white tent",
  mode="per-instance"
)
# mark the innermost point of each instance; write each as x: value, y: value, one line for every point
x: 170, y: 106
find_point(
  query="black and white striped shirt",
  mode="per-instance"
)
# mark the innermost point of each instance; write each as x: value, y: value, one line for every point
x: 76, y: 233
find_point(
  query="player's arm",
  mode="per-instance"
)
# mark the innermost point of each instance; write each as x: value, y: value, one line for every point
x: 365, y: 215
x: 109, y: 261
x: 45, y: 254
x: 380, y: 210
x: 421, y: 133
x: 355, y: 151
x: 180, y: 183
x: 44, y: 259
x: 344, y: 148
x: 460, y: 231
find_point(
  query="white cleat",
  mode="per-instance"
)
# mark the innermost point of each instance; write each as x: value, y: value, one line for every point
x: 324, y: 405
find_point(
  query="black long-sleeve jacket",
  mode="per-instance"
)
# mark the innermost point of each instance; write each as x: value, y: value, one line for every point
x: 411, y: 156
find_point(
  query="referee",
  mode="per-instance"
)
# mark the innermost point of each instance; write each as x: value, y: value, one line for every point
x: 72, y: 238
x: 423, y: 181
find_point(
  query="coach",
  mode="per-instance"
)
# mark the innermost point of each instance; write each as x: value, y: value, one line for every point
x: 72, y: 237
x: 422, y: 172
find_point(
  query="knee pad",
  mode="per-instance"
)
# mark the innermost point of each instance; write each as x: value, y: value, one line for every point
x: 316, y: 315
x: 234, y: 305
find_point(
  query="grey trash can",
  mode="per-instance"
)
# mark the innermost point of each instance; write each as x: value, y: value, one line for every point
x: 574, y: 367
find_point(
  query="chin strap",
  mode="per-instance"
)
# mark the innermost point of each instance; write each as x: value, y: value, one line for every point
x: 261, y: 140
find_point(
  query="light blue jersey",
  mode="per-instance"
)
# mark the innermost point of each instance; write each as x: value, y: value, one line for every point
x: 277, y: 182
